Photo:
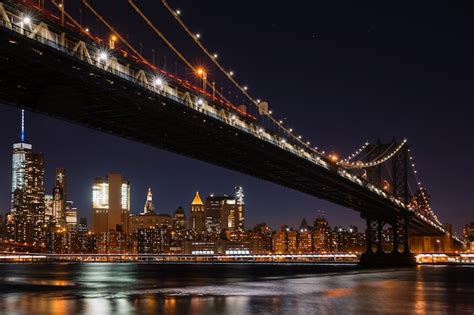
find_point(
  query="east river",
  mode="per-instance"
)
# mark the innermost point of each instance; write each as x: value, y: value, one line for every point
x: 111, y: 288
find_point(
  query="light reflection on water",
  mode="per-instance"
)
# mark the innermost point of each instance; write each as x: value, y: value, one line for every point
x: 232, y: 289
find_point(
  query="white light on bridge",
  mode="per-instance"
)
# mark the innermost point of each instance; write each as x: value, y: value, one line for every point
x: 200, y: 101
x: 158, y: 82
x: 26, y: 20
x: 103, y: 56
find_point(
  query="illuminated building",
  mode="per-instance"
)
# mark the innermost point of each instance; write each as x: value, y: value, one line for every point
x: 149, y: 207
x: 468, y: 233
x: 113, y: 242
x: 149, y: 221
x: 82, y: 226
x: 179, y: 219
x: 305, y: 240
x: 196, y: 219
x: 240, y: 213
x: 71, y: 217
x: 213, y: 207
x: 48, y: 209
x: 110, y: 204
x: 292, y: 241
x: 279, y: 242
x: 28, y: 207
x: 261, y: 239
x: 153, y: 241
x: 60, y: 198
x: 321, y: 235
x: 233, y: 217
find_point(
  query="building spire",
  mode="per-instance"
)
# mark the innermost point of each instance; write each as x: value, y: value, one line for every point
x: 149, y: 207
x: 22, y: 136
x: 197, y: 201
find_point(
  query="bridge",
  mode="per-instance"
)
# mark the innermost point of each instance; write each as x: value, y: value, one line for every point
x: 51, y: 65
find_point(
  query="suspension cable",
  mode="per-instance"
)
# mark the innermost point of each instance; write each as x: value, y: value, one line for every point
x: 241, y: 88
x: 114, y: 31
x: 174, y: 49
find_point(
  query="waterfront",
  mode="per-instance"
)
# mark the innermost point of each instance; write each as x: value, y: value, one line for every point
x: 233, y: 289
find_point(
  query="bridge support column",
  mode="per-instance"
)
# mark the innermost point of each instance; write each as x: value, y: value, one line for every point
x: 394, y: 258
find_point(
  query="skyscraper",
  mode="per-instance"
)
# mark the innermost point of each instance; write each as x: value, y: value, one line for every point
x: 179, y: 219
x: 213, y: 207
x: 110, y: 204
x: 28, y: 207
x: 71, y: 217
x: 60, y: 198
x: 196, y: 219
x: 149, y: 207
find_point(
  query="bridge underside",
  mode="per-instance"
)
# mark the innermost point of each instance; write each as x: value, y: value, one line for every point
x: 43, y: 80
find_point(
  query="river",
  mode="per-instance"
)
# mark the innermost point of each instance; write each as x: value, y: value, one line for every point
x: 109, y: 288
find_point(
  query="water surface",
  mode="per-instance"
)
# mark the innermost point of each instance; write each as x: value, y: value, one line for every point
x: 233, y: 289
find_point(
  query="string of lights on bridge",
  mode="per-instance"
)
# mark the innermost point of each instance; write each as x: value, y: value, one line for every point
x: 230, y: 74
x: 421, y: 189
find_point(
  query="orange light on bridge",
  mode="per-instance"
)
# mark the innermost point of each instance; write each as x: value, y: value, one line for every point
x: 113, y: 38
x: 200, y: 72
x: 333, y: 157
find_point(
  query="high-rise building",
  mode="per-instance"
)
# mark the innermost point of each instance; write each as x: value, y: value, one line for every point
x: 28, y: 204
x: 232, y: 214
x: 149, y: 207
x: 82, y: 226
x: 321, y: 235
x: 213, y: 207
x: 179, y: 219
x: 240, y: 203
x: 110, y: 204
x: 60, y: 198
x: 305, y: 238
x: 71, y: 217
x: 196, y: 219
x: 48, y: 209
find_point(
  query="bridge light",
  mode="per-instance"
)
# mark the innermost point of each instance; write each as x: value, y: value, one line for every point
x: 215, y: 56
x: 158, y: 82
x: 198, y: 35
x: 200, y: 72
x: 245, y: 88
x: 231, y: 73
x: 200, y: 101
x: 87, y: 30
x: 333, y: 157
x: 26, y: 20
x: 178, y: 12
x: 291, y: 129
x: 103, y: 56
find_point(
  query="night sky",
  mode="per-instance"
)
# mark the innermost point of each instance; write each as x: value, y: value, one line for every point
x: 340, y: 73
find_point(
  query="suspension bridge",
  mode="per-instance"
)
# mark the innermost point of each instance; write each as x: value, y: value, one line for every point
x: 50, y: 63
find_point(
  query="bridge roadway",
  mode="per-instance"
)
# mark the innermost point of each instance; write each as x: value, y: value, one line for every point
x: 46, y: 80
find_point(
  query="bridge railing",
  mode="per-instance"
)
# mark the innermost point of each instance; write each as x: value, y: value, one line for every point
x: 120, y: 66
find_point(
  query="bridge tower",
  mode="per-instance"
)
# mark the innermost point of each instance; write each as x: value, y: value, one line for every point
x: 392, y: 177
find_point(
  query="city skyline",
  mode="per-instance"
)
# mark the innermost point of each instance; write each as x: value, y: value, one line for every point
x: 165, y: 205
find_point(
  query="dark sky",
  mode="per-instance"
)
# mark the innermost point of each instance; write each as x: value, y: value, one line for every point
x: 340, y: 72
